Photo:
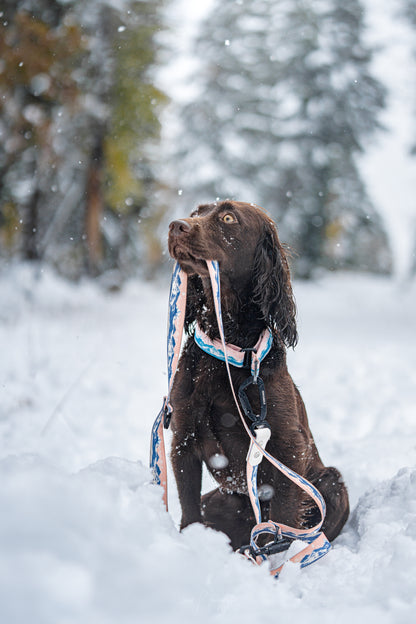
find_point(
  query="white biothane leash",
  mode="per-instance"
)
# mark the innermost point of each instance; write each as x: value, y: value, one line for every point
x: 316, y: 544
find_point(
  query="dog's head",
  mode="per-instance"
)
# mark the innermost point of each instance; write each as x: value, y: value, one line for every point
x: 244, y: 241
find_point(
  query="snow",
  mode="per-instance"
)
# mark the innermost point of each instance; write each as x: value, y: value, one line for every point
x: 84, y: 536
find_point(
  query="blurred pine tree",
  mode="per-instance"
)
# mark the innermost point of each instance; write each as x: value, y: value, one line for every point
x: 409, y: 12
x: 285, y: 101
x: 36, y: 62
x: 79, y: 118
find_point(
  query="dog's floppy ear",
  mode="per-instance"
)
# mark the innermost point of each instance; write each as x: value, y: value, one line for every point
x: 272, y: 287
x: 195, y: 301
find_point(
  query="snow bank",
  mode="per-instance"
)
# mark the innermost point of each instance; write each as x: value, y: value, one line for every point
x: 83, y: 533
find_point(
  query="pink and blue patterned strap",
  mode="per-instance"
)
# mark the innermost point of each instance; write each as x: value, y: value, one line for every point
x: 235, y: 355
x: 176, y: 320
x: 318, y: 545
x: 291, y: 474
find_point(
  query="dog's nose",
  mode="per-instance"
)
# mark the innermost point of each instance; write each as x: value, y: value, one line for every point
x: 180, y: 225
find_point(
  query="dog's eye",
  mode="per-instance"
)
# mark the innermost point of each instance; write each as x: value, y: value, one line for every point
x: 228, y: 218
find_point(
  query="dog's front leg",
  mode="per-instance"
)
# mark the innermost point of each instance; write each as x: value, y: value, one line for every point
x: 187, y: 467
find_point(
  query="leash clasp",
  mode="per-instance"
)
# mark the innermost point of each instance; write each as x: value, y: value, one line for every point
x: 167, y: 410
x: 279, y: 544
x: 251, y: 362
x: 248, y: 356
x: 259, y: 427
x: 257, y: 419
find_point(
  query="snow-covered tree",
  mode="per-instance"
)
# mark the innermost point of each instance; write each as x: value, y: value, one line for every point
x: 410, y: 14
x: 36, y: 55
x: 79, y: 118
x: 285, y: 102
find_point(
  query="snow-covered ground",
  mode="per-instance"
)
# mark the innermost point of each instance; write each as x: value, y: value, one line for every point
x: 84, y: 537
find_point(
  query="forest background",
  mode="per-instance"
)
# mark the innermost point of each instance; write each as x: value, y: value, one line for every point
x: 118, y: 115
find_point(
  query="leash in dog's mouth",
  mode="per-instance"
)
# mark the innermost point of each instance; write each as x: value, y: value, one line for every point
x: 259, y: 432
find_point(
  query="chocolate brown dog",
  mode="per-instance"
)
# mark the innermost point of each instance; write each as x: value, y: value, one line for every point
x: 256, y: 293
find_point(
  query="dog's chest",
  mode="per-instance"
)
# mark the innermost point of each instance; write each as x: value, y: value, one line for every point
x: 224, y: 445
x: 222, y: 439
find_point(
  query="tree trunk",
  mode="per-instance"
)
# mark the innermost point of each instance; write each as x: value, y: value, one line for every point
x: 30, y: 228
x: 93, y: 210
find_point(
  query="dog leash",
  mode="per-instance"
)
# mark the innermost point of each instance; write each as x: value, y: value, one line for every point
x: 176, y: 320
x: 317, y: 545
